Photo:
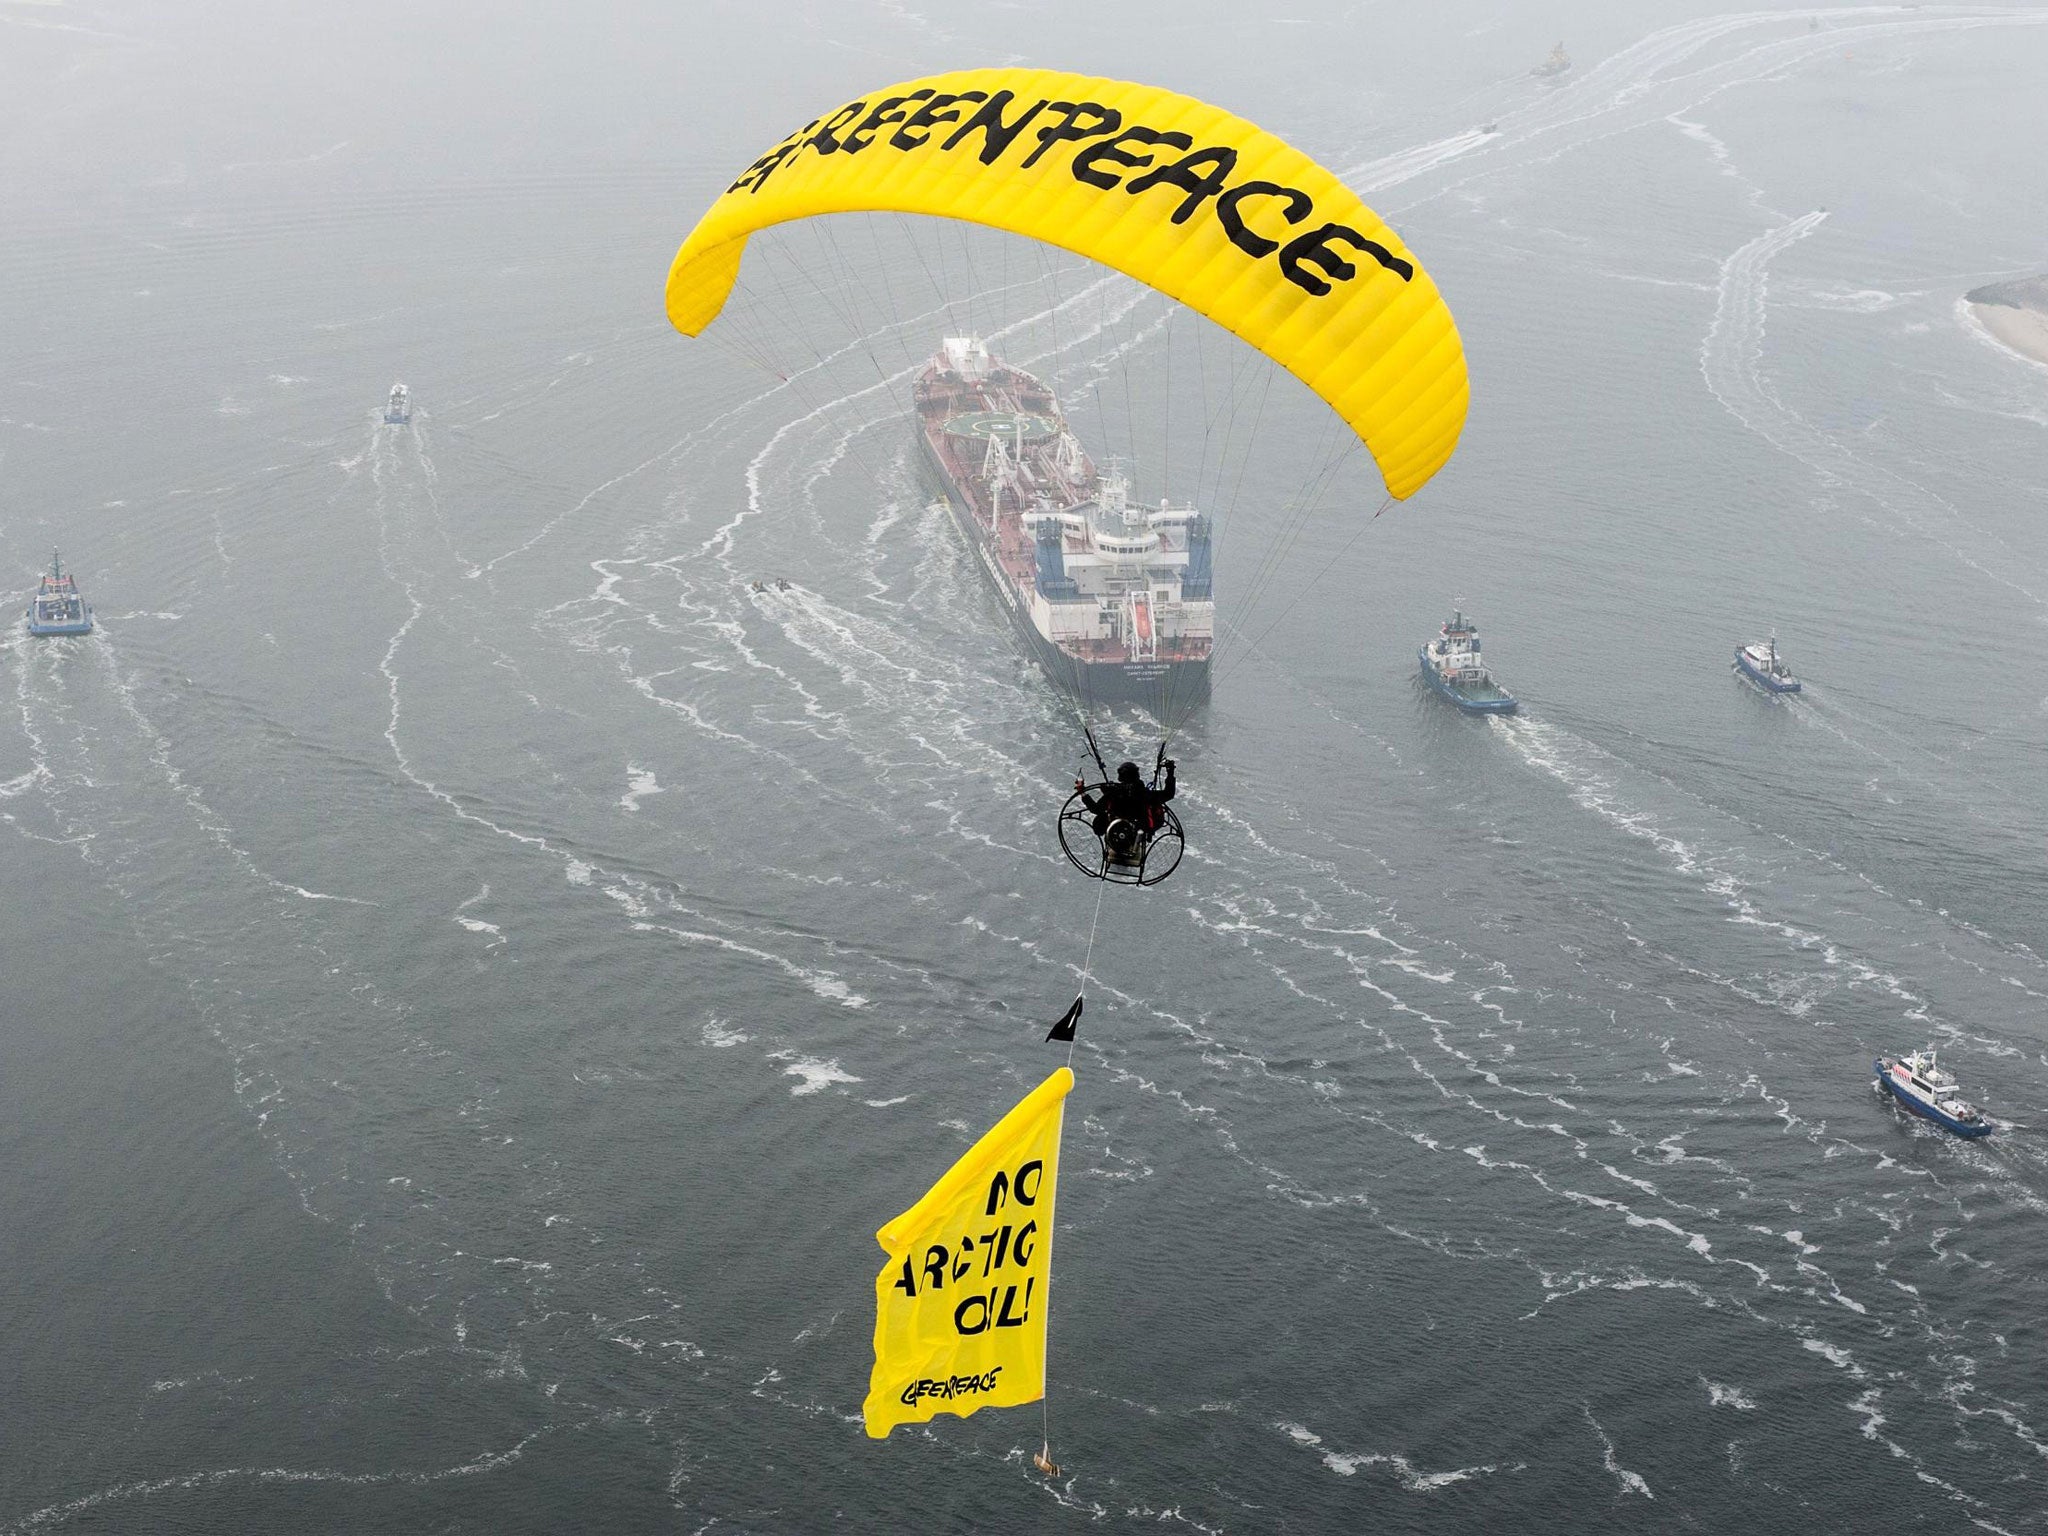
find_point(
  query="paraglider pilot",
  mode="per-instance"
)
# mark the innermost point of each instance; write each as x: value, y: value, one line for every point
x: 1127, y: 810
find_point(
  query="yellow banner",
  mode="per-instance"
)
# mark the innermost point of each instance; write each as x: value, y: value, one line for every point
x: 960, y: 1306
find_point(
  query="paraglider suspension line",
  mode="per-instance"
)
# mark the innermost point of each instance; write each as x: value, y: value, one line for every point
x: 1093, y: 750
x: 1088, y: 961
x: 1044, y: 1461
x: 1252, y: 645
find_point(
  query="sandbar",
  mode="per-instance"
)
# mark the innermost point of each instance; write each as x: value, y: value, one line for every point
x: 2016, y: 315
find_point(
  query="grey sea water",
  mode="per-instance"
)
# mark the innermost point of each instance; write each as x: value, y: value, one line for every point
x: 476, y: 974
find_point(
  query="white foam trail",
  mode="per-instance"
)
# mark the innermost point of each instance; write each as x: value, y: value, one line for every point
x: 1631, y: 1482
x: 58, y: 1514
x: 718, y: 1036
x: 1406, y: 164
x: 1721, y: 1396
x: 547, y: 529
x: 1835, y: 1355
x: 1566, y: 758
x: 1731, y: 363
x: 21, y: 783
x: 477, y: 924
x: 1346, y: 1463
x: 1857, y: 301
x: 1731, y: 354
x: 203, y: 814
x: 823, y: 983
x: 1638, y: 85
x: 1699, y: 133
x: 720, y: 543
x: 577, y: 870
x: 640, y: 783
x: 813, y: 1074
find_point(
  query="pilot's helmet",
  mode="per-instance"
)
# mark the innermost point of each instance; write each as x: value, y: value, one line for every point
x: 1127, y: 773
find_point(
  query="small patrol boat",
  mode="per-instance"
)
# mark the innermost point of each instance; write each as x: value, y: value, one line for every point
x: 398, y: 409
x: 1917, y: 1082
x: 1762, y: 665
x: 1452, y: 667
x: 57, y: 609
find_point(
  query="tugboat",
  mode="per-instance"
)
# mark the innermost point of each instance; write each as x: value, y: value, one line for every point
x: 1924, y: 1088
x: 398, y: 409
x: 57, y: 609
x: 1557, y: 64
x: 1762, y: 665
x: 1451, y: 666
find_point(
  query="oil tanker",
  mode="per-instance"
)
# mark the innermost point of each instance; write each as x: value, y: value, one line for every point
x: 1112, y: 598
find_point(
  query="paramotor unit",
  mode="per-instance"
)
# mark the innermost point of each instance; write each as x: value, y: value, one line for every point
x: 1121, y: 829
x: 1125, y: 852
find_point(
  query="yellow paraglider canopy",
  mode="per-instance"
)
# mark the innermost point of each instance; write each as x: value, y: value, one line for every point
x: 1189, y: 199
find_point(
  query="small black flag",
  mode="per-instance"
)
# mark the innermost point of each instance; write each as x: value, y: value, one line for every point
x: 1064, y: 1030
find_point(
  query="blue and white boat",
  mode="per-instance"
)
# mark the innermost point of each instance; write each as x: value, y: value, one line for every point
x: 1923, y: 1087
x: 398, y: 409
x: 1762, y: 665
x: 1452, y: 667
x: 57, y: 609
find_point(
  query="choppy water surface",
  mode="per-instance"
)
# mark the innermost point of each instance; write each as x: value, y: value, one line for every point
x: 478, y: 973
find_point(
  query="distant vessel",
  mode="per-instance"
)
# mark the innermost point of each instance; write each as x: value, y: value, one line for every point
x: 57, y: 609
x: 1555, y: 65
x: 1762, y: 665
x: 1924, y: 1088
x: 1111, y: 597
x: 1451, y: 665
x: 398, y: 409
